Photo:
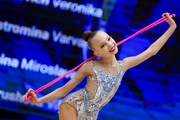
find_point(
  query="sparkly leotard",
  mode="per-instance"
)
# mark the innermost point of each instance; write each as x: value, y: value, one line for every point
x: 100, y: 88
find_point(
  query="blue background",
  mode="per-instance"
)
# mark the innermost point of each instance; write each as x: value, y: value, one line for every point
x: 149, y: 91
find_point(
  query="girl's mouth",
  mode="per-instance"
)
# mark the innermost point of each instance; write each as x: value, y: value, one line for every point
x: 112, y: 49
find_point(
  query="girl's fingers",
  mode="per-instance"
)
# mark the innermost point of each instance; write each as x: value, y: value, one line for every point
x: 168, y: 16
x: 165, y: 15
x: 33, y: 94
x: 23, y: 97
x: 30, y: 90
x: 27, y: 93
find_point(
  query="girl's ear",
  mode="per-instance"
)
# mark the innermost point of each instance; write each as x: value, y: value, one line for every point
x: 97, y: 53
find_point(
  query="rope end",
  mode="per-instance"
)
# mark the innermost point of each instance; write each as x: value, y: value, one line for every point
x: 173, y: 15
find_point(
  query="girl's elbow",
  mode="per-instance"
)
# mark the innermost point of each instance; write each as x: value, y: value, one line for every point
x: 61, y: 92
x: 152, y: 51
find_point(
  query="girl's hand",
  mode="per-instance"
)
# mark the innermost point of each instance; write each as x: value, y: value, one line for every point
x: 34, y: 99
x: 170, y: 21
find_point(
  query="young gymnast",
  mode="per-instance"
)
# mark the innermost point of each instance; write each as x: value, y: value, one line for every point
x: 104, y: 76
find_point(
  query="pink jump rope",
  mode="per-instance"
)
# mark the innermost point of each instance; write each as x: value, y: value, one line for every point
x: 135, y: 34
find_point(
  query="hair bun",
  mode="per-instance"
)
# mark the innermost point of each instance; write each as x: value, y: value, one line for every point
x: 86, y: 35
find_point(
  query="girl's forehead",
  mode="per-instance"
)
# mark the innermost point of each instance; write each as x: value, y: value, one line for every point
x: 101, y: 35
x: 99, y: 38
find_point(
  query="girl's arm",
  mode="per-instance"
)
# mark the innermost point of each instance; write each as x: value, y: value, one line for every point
x: 84, y: 71
x: 154, y: 48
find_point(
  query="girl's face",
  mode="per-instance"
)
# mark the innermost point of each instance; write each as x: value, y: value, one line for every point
x: 104, y: 45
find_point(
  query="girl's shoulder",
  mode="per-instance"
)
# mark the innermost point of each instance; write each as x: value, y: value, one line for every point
x: 91, y: 62
x: 121, y: 62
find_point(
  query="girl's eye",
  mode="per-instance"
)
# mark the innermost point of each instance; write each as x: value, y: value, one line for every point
x: 103, y: 45
x: 109, y: 38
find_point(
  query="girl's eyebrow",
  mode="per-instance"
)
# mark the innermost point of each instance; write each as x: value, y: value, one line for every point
x: 104, y: 42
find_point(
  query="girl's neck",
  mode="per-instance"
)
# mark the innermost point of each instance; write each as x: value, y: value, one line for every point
x: 109, y: 62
